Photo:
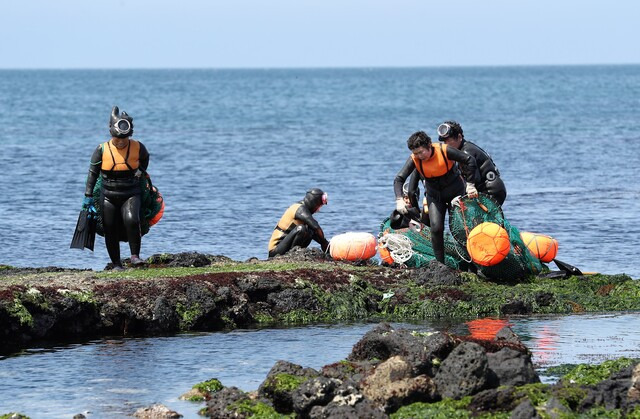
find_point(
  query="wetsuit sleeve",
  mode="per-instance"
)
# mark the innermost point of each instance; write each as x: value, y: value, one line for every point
x: 303, y: 214
x: 94, y: 171
x: 467, y: 163
x: 414, y: 192
x: 402, y: 175
x: 144, y: 157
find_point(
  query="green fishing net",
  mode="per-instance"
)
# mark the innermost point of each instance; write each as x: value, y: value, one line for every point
x: 467, y: 213
x: 151, y: 205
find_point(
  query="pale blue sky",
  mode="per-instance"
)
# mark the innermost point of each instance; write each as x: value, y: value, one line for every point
x: 327, y: 33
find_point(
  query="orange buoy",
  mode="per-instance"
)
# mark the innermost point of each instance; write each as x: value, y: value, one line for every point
x: 488, y: 244
x: 541, y: 246
x: 385, y: 255
x: 353, y: 246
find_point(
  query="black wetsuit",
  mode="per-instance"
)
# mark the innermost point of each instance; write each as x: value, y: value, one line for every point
x: 490, y: 182
x: 440, y: 191
x: 120, y: 200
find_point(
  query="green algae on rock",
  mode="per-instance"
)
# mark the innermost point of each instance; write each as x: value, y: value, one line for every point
x: 224, y: 294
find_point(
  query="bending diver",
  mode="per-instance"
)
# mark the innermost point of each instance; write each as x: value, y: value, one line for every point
x: 436, y: 164
x: 121, y: 162
x: 297, y: 227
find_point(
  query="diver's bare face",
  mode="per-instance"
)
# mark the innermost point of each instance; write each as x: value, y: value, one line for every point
x: 120, y: 143
x: 423, y: 153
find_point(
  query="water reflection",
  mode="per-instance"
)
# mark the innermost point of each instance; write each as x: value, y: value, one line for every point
x: 114, y: 377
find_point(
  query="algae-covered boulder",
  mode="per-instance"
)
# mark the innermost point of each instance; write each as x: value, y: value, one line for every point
x: 282, y: 381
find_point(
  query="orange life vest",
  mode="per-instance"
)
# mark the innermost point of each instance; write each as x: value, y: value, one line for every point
x: 287, y: 222
x: 115, y: 159
x: 435, y: 166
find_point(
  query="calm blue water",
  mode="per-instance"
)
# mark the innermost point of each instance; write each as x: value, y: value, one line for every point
x: 111, y: 378
x: 231, y: 149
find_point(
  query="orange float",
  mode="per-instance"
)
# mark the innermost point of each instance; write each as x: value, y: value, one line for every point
x: 488, y: 244
x: 385, y: 255
x: 353, y: 246
x: 541, y: 246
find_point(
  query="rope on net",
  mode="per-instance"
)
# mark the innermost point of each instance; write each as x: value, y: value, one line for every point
x: 399, y: 246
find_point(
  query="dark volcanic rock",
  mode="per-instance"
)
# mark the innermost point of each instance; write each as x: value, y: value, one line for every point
x: 524, y: 410
x: 511, y: 368
x: 277, y: 386
x: 464, y: 372
x: 186, y: 259
x: 437, y: 273
x: 256, y: 288
x: 293, y: 299
x: 506, y: 334
x: 493, y: 400
x: 516, y: 307
x: 217, y: 406
x: 299, y: 254
x: 348, y: 402
x: 317, y: 391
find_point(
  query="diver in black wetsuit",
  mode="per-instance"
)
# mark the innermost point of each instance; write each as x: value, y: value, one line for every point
x: 121, y: 162
x: 450, y: 132
x: 297, y: 227
x: 437, y: 165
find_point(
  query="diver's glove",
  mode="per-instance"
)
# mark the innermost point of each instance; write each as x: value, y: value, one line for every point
x: 87, y: 205
x: 471, y: 190
x: 401, y: 207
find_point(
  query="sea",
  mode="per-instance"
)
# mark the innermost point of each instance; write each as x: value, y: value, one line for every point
x: 232, y: 149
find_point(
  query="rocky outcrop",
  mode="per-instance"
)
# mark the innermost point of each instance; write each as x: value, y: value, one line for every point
x: 387, y: 373
x: 196, y: 292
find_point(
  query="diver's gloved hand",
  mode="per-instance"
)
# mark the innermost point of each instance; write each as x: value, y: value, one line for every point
x: 87, y: 205
x: 471, y: 190
x: 401, y: 207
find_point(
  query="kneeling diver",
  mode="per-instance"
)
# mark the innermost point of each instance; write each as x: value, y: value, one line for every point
x: 297, y: 227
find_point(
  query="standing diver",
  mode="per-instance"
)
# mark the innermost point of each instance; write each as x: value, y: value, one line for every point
x: 450, y: 132
x: 121, y: 162
x: 297, y: 227
x: 436, y: 164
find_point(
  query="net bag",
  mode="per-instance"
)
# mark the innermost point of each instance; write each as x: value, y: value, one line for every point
x: 151, y: 207
x: 467, y: 213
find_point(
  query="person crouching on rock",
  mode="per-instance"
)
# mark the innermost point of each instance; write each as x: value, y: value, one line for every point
x: 121, y: 162
x: 297, y: 227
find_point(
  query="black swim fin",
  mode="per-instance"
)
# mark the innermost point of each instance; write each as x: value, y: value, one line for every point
x: 569, y: 270
x: 84, y: 235
x: 90, y: 237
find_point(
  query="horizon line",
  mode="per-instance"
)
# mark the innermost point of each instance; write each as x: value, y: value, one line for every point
x: 388, y: 67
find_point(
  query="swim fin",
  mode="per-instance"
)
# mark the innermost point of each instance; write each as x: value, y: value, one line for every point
x: 90, y: 237
x: 568, y: 269
x: 84, y: 235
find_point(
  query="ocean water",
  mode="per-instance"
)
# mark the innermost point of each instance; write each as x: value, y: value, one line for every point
x: 232, y: 149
